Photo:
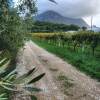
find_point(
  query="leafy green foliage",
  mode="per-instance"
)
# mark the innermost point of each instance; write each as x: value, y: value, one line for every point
x: 28, y: 79
x: 87, y: 38
x: 11, y: 83
x: 2, y: 97
x: 27, y: 6
x: 12, y: 26
x: 12, y: 38
x: 51, y: 27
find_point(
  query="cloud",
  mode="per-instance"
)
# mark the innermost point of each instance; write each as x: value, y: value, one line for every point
x: 71, y: 8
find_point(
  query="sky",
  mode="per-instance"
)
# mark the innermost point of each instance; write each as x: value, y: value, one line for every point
x: 73, y: 8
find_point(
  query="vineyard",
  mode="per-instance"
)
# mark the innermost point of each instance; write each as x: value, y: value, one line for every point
x: 82, y: 49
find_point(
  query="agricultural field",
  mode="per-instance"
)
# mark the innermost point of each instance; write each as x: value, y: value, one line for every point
x: 81, y: 49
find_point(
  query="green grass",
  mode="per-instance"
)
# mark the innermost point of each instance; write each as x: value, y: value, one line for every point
x: 83, y: 61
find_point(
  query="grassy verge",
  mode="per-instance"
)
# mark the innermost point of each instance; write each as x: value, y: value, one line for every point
x: 84, y: 62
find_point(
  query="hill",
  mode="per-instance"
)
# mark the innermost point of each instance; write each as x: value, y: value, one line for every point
x: 54, y: 17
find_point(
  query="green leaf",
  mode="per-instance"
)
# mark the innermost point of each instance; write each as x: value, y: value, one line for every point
x: 3, y: 96
x: 3, y: 60
x: 3, y: 67
x: 11, y: 75
x: 23, y: 77
x: 30, y: 72
x: 36, y: 79
x: 8, y: 88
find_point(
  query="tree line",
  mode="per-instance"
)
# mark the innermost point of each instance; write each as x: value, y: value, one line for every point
x: 40, y: 26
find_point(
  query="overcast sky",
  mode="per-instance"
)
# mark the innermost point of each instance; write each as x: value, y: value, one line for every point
x: 73, y: 8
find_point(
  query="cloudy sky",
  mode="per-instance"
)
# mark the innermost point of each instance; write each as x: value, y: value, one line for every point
x: 73, y: 8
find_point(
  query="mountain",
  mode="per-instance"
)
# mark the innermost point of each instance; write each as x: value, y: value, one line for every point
x: 54, y: 17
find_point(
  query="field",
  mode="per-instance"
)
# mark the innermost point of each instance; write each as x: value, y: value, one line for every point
x: 80, y: 49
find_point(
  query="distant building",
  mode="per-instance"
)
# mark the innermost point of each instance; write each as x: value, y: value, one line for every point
x: 71, y: 31
x: 94, y: 28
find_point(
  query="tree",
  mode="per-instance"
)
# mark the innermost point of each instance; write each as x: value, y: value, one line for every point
x: 84, y: 28
x: 12, y: 32
x: 12, y: 26
x: 11, y: 23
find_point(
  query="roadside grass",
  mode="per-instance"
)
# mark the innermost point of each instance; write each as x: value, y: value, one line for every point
x: 83, y: 61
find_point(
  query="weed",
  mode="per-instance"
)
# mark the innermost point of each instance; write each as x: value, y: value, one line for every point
x: 65, y: 83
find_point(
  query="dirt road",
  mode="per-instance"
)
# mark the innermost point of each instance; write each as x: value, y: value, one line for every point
x: 59, y: 74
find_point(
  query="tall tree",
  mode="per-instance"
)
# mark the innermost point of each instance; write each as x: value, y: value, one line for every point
x: 11, y: 24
